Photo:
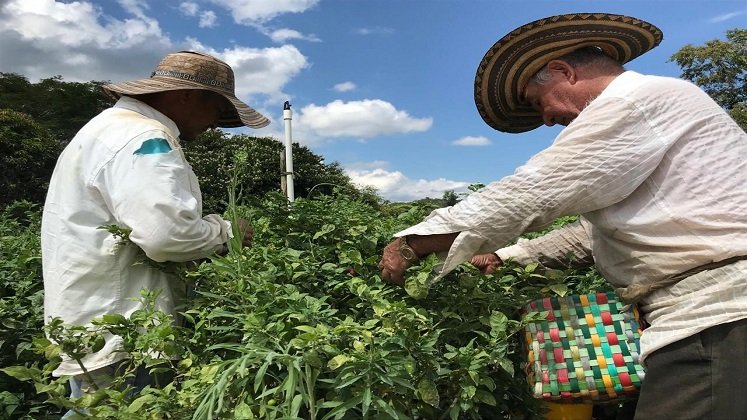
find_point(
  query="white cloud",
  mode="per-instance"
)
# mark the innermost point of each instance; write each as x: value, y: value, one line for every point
x: 189, y: 8
x: 284, y: 34
x: 77, y: 40
x: 259, y: 11
x: 135, y: 7
x: 80, y: 42
x: 260, y: 70
x: 359, y: 119
x: 376, y: 30
x: 207, y: 19
x: 725, y: 17
x: 395, y: 186
x: 256, y: 13
x: 47, y: 22
x: 345, y: 86
x: 471, y: 141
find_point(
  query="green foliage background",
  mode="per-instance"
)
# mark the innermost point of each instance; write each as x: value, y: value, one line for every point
x: 28, y: 153
x: 720, y: 68
x: 216, y: 157
x: 300, y: 325
x: 21, y: 305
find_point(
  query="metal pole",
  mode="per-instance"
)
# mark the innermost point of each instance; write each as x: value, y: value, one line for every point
x: 282, y: 173
x: 287, y: 117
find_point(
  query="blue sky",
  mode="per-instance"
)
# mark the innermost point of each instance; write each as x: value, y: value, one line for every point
x: 384, y: 87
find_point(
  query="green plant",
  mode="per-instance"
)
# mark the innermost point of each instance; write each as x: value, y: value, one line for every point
x: 21, y: 308
x: 28, y: 153
x: 300, y: 325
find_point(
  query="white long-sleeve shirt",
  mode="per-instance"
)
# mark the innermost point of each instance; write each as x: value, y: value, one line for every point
x: 124, y: 167
x: 659, y: 171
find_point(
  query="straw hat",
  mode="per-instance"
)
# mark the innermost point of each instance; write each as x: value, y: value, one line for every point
x: 514, y: 59
x: 193, y: 70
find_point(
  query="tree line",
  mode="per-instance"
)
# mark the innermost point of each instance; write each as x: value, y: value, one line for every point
x: 38, y: 119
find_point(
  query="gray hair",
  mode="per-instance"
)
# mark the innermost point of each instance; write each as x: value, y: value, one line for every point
x: 579, y: 58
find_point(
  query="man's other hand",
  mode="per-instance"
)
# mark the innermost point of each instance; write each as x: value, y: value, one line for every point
x: 246, y: 229
x: 487, y: 263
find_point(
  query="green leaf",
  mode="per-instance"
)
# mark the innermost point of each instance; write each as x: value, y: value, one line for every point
x: 428, y: 392
x: 260, y: 375
x: 366, y: 402
x: 137, y: 405
x: 296, y: 404
x: 341, y: 409
x: 243, y: 412
x: 22, y: 373
x: 498, y: 324
x: 92, y: 400
x: 98, y: 343
x: 507, y: 365
x: 485, y: 397
x: 338, y: 361
x: 560, y: 289
x: 114, y: 319
x: 325, y: 230
x: 415, y: 288
x: 306, y: 328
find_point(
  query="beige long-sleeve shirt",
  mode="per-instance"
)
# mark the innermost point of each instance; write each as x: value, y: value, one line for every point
x: 658, y: 170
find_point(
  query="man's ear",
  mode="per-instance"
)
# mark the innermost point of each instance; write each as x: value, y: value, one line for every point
x: 563, y: 69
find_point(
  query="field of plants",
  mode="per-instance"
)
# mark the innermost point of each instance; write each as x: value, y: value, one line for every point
x: 300, y: 325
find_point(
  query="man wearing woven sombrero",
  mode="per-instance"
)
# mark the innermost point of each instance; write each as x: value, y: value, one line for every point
x: 126, y: 167
x: 657, y: 171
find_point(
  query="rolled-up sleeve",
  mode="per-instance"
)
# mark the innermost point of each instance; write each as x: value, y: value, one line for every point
x: 560, y: 248
x: 597, y: 161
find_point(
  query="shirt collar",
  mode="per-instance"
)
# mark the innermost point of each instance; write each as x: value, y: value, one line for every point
x: 620, y: 85
x: 132, y: 104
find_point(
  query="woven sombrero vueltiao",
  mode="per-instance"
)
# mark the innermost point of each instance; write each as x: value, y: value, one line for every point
x: 193, y: 70
x: 514, y: 59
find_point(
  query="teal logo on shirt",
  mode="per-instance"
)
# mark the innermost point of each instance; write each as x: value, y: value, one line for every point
x: 153, y: 146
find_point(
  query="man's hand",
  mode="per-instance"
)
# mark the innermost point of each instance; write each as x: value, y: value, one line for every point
x: 246, y: 229
x: 392, y: 264
x: 487, y: 263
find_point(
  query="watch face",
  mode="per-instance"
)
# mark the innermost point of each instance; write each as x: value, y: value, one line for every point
x: 407, y: 253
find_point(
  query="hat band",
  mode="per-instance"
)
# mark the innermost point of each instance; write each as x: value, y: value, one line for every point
x: 193, y: 78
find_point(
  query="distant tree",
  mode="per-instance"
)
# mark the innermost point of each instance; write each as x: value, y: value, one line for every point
x: 28, y: 153
x: 61, y: 107
x: 450, y: 198
x: 720, y: 69
x: 214, y: 155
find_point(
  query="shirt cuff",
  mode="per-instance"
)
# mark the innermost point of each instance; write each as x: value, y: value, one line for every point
x: 516, y: 253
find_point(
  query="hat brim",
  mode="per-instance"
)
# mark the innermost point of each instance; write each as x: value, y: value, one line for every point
x: 241, y: 115
x: 514, y: 59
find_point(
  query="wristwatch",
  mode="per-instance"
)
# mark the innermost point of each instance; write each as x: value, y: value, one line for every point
x: 406, y: 251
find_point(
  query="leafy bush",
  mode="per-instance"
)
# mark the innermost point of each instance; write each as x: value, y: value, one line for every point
x: 21, y: 305
x: 300, y: 325
x: 28, y: 154
x: 217, y: 157
x: 59, y: 106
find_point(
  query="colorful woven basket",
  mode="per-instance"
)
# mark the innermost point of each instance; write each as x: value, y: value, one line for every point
x: 586, y: 349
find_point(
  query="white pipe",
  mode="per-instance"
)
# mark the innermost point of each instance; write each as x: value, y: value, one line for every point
x: 287, y: 117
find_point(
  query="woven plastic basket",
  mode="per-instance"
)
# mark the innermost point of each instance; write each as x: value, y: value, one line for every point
x: 586, y: 349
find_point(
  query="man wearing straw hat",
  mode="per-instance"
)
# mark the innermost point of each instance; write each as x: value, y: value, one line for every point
x: 657, y: 171
x: 126, y: 167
